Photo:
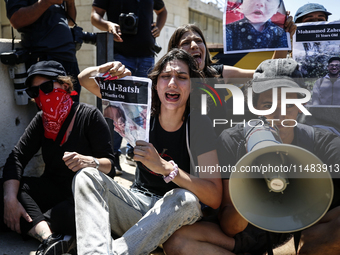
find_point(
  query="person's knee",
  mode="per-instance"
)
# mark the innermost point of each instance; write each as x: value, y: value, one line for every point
x: 337, y: 221
x: 83, y: 177
x: 186, y: 203
x: 337, y: 212
x: 176, y: 244
x: 187, y: 199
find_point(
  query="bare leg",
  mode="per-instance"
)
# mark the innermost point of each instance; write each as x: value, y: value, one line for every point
x: 321, y: 238
x: 201, y: 238
x: 41, y: 231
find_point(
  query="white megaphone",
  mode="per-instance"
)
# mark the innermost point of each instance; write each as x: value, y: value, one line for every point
x: 271, y: 187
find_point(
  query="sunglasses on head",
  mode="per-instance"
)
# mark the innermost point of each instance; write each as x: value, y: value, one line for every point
x: 45, y: 87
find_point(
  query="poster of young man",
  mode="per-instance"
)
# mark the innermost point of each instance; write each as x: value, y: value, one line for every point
x: 314, y: 44
x: 254, y: 25
x: 316, y: 47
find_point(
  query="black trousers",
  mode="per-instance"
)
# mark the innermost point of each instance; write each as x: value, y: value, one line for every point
x: 258, y: 241
x: 44, y: 199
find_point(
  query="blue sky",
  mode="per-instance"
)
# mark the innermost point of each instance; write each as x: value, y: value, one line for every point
x: 332, y: 6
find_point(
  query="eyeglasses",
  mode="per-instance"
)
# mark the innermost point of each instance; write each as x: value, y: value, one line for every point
x: 331, y: 65
x: 45, y: 87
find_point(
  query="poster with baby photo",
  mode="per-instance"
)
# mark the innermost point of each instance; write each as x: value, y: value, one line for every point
x: 254, y: 25
x: 127, y: 102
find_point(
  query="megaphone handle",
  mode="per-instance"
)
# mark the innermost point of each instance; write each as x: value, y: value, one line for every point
x: 297, y: 237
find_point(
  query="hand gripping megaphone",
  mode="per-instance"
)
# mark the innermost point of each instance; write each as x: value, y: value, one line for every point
x: 279, y: 187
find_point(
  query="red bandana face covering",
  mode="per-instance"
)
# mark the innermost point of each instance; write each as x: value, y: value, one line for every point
x: 56, y: 106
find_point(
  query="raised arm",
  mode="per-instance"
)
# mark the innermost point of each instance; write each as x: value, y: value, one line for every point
x: 115, y: 68
x: 71, y: 11
x: 232, y: 73
x: 290, y: 27
x: 28, y: 15
x: 99, y: 22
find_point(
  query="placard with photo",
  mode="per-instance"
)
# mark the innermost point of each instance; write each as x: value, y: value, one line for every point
x: 254, y: 25
x: 127, y: 102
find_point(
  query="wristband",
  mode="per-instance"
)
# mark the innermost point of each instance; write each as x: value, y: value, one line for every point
x: 96, y: 162
x: 172, y: 174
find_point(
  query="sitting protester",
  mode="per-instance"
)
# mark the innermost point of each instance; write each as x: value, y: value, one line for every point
x: 164, y: 196
x: 233, y: 234
x: 71, y: 136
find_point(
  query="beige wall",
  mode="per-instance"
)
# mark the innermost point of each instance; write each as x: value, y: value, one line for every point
x: 178, y: 14
x: 181, y: 12
x: 87, y: 54
x: 14, y: 118
x: 209, y: 18
x: 210, y: 26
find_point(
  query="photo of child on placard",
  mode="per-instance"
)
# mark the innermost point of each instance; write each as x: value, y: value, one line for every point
x: 127, y: 101
x: 255, y: 25
x: 131, y: 129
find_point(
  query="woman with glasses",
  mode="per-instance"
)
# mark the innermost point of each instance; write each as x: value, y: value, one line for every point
x: 71, y: 136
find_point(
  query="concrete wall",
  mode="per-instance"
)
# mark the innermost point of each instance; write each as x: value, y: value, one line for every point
x: 13, y: 118
x: 5, y: 28
x: 207, y: 9
x: 3, y: 20
x: 87, y: 54
x: 178, y: 14
x: 209, y: 18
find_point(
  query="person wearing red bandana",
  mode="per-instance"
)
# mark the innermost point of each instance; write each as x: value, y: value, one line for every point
x: 71, y: 136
